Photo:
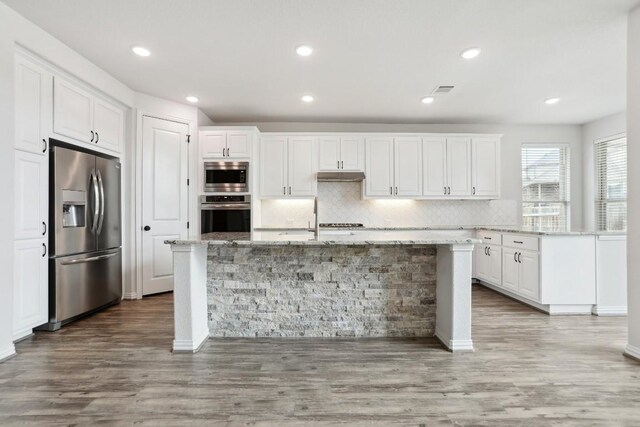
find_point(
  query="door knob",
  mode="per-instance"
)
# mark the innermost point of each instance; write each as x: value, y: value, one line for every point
x: 147, y: 228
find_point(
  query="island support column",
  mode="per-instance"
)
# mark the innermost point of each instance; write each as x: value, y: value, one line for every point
x: 453, y: 293
x: 190, y: 296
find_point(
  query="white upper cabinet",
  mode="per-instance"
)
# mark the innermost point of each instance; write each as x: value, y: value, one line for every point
x: 72, y: 111
x: 273, y: 166
x: 434, y: 152
x: 85, y: 117
x: 33, y: 97
x: 213, y: 144
x: 485, y: 167
x: 108, y: 122
x: 239, y: 144
x: 352, y: 154
x: 329, y: 153
x: 341, y: 153
x: 222, y: 144
x: 379, y: 167
x: 458, y: 166
x: 302, y: 169
x: 408, y: 166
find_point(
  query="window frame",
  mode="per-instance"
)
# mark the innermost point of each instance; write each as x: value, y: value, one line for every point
x: 567, y: 201
x: 597, y: 185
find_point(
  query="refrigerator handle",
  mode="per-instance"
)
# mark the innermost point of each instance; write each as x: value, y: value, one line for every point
x: 101, y: 185
x: 96, y: 202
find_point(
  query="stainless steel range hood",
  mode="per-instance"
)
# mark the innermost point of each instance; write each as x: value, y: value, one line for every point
x: 340, y: 176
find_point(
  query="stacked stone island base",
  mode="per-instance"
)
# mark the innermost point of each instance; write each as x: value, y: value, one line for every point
x: 323, y: 288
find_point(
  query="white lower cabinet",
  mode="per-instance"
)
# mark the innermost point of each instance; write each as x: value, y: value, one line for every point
x: 536, y: 269
x: 30, y: 292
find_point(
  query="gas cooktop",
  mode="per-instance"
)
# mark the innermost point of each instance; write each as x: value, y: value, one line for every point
x: 341, y: 225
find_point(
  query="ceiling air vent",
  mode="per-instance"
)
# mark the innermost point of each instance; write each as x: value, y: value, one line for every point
x: 443, y: 89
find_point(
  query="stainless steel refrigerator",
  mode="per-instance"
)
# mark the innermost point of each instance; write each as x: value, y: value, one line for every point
x: 85, y: 266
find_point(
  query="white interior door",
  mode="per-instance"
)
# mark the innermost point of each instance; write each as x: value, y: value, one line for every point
x: 164, y: 199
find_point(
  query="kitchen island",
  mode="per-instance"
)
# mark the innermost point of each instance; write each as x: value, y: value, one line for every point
x: 340, y: 283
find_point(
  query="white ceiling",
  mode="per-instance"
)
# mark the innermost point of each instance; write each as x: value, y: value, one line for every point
x: 373, y: 59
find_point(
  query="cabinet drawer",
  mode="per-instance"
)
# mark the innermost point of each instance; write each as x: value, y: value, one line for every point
x: 490, y: 237
x: 520, y: 242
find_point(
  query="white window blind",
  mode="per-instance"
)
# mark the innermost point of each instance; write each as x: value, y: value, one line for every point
x: 611, y: 190
x: 545, y: 187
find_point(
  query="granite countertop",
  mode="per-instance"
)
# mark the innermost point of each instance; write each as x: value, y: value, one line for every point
x: 302, y: 237
x: 500, y: 229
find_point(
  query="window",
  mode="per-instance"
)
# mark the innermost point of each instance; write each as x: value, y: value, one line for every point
x: 545, y: 187
x: 611, y: 186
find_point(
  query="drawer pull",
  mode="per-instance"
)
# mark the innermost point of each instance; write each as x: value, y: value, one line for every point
x: 515, y: 259
x: 517, y: 241
x: 487, y: 238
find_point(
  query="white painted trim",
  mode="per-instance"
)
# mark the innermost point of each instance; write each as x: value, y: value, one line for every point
x: 632, y: 352
x: 612, y: 237
x: 550, y: 309
x: 7, y: 353
x: 610, y: 138
x: 191, y: 346
x: 455, y: 345
x: 22, y: 334
x: 137, y: 194
x: 130, y: 295
x: 599, y: 310
x: 384, y: 134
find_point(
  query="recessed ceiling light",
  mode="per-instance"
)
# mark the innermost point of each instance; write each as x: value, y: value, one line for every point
x: 307, y: 98
x: 141, y: 51
x: 304, y: 50
x: 470, y: 53
x: 428, y: 99
x: 551, y: 101
x: 192, y: 99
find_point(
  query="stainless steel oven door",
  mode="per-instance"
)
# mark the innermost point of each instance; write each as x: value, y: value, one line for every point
x: 225, y: 218
x: 226, y: 177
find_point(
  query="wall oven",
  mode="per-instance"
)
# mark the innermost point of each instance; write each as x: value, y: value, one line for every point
x: 226, y: 177
x: 225, y: 214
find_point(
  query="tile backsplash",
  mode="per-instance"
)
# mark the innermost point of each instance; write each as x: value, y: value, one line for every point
x: 342, y: 202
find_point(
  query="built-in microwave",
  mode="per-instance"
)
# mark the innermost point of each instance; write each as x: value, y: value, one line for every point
x: 226, y: 177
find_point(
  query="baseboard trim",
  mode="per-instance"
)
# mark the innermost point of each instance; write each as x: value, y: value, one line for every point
x: 599, y: 310
x: 7, y: 353
x: 22, y: 335
x: 550, y: 309
x: 191, y: 346
x: 632, y: 352
x: 130, y: 295
x: 455, y: 346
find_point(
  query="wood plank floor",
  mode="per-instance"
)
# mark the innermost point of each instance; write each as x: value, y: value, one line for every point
x: 529, y: 369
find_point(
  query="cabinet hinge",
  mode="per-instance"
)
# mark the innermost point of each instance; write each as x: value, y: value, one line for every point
x: 188, y: 138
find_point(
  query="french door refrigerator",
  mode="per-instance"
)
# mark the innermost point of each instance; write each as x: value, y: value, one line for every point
x: 85, y: 264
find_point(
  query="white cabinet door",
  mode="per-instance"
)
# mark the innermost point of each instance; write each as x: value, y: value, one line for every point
x: 408, y: 166
x: 33, y: 92
x: 494, y: 265
x: 481, y: 262
x: 72, y: 111
x: 529, y: 275
x: 329, y: 153
x: 30, y: 280
x: 510, y: 270
x: 239, y: 144
x: 459, y: 166
x: 352, y: 154
x: 31, y: 195
x: 434, y: 152
x: 379, y: 167
x: 273, y: 166
x: 302, y: 167
x: 213, y: 144
x: 485, y: 167
x: 108, y: 125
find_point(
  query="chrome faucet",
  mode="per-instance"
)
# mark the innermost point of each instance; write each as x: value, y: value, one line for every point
x: 316, y: 228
